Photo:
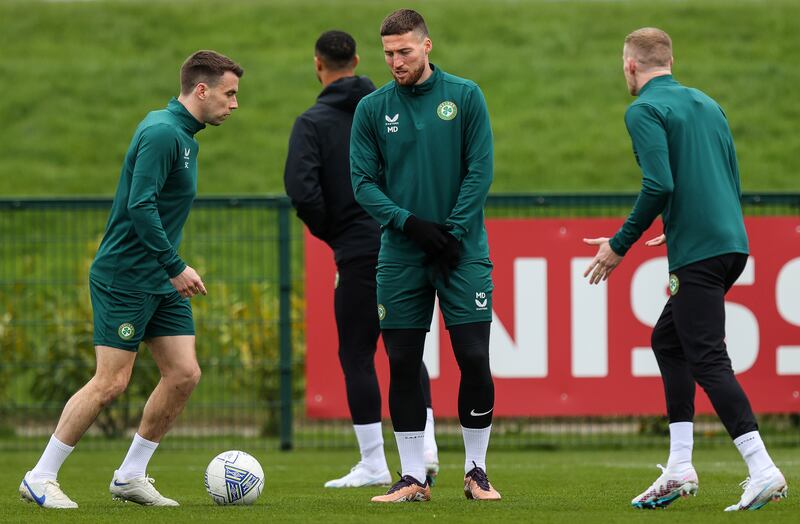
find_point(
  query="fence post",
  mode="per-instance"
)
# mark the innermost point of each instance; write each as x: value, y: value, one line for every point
x: 285, y: 324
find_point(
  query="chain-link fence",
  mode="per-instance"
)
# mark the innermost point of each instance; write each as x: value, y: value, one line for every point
x: 250, y: 330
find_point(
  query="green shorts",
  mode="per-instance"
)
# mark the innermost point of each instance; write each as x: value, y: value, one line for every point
x: 123, y: 318
x: 406, y: 295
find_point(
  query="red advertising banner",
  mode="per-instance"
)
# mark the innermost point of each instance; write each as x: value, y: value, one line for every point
x: 562, y: 347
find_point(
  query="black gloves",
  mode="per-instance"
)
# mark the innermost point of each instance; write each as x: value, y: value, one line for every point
x: 447, y: 260
x: 430, y: 236
x: 442, y: 248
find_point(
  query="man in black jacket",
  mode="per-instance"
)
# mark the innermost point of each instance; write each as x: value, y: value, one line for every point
x: 317, y: 179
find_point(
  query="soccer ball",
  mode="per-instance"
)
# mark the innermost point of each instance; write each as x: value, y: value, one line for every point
x: 234, y: 477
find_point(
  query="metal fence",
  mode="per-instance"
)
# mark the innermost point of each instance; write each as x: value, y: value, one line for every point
x: 250, y: 329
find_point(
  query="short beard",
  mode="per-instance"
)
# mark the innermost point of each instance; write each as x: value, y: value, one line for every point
x: 413, y: 77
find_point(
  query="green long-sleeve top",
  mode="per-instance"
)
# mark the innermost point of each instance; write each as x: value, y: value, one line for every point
x: 424, y: 150
x: 157, y: 186
x: 684, y: 147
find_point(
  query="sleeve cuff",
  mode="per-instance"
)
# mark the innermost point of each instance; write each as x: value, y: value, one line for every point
x: 402, y: 216
x: 457, y: 231
x: 175, y: 267
x: 617, y: 247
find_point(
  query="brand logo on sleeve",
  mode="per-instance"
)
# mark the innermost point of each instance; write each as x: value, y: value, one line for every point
x: 392, y: 123
x: 447, y: 110
x: 186, y: 153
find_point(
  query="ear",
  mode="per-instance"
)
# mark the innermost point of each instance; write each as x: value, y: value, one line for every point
x: 201, y: 90
x: 317, y: 63
x: 355, y: 61
x: 427, y: 45
x: 630, y: 65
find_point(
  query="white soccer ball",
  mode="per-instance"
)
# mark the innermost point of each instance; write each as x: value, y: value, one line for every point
x: 234, y: 477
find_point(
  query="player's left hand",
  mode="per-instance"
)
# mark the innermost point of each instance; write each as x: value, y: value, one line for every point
x: 657, y: 241
x: 604, y: 261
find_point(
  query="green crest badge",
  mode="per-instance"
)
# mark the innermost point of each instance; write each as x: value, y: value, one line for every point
x: 674, y: 284
x: 126, y: 331
x: 381, y: 312
x: 447, y: 110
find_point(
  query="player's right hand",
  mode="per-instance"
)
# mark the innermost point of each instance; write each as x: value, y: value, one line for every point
x: 429, y: 236
x: 188, y: 283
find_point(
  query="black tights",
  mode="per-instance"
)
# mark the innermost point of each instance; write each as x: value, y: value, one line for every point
x: 476, y: 390
x: 357, y: 324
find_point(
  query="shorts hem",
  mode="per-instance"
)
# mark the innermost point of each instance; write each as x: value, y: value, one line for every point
x: 470, y: 321
x: 116, y: 345
x: 148, y: 336
x: 405, y: 326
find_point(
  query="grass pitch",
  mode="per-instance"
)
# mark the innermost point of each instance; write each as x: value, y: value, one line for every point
x: 82, y: 74
x: 537, y: 486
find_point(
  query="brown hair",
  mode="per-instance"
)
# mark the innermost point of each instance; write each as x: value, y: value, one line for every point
x: 206, y: 67
x: 403, y: 21
x: 650, y: 46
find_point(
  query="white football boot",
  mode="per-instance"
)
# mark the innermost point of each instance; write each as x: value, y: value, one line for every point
x: 139, y: 490
x: 667, y: 488
x: 45, y: 493
x: 361, y: 475
x: 759, y: 492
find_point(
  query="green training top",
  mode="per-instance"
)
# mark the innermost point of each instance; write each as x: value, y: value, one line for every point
x: 424, y: 150
x: 156, y: 189
x: 684, y: 147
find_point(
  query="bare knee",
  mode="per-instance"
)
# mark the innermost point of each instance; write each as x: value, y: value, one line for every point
x: 110, y: 387
x: 185, y: 380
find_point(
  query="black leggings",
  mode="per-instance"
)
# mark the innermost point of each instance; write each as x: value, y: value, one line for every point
x: 355, y: 307
x: 689, y: 344
x: 476, y: 391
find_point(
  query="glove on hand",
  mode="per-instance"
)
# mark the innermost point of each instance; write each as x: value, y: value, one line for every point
x: 430, y: 236
x: 447, y: 260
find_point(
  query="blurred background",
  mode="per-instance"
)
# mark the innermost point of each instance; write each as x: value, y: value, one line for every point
x: 79, y: 76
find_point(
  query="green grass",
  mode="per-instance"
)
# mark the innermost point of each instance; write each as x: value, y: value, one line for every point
x: 82, y: 74
x: 586, y: 486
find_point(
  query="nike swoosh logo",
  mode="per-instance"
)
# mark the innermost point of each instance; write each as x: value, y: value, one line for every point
x: 120, y: 483
x: 480, y: 414
x: 39, y: 500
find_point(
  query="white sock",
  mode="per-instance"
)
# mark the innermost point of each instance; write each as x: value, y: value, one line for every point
x: 755, y: 454
x: 51, y: 460
x: 370, y: 443
x: 431, y: 450
x: 411, y: 446
x: 681, y: 441
x: 136, y: 460
x: 476, y: 441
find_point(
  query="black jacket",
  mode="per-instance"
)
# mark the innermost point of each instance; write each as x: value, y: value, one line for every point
x: 317, y: 173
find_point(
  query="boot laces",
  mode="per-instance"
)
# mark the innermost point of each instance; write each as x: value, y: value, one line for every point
x: 404, y: 481
x: 479, y: 476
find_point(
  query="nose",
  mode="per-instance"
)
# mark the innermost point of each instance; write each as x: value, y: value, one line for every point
x: 234, y: 103
x: 397, y: 61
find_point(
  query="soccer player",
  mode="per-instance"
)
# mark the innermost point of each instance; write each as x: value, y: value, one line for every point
x: 140, y: 287
x: 684, y: 147
x: 421, y: 160
x: 317, y: 178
